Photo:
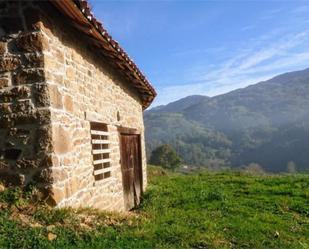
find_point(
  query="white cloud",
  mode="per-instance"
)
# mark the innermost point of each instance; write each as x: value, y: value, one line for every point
x: 258, y: 61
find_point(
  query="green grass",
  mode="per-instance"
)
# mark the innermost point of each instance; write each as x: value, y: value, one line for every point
x: 200, y: 210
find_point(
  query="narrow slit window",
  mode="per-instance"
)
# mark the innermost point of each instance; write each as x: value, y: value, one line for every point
x: 100, y: 151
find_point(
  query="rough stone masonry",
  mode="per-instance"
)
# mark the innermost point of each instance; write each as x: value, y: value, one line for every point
x: 53, y: 84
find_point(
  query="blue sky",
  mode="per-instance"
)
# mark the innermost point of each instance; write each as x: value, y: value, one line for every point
x: 208, y: 47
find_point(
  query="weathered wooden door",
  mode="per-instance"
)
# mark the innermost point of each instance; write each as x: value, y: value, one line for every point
x: 131, y: 169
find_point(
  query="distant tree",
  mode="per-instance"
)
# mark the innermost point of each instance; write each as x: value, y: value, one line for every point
x: 254, y: 168
x: 165, y: 156
x: 291, y: 167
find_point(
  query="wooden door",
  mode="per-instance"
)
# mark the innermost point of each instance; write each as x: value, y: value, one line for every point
x: 131, y: 169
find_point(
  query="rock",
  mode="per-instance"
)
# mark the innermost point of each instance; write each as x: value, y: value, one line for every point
x: 33, y: 60
x: 70, y: 74
x: 56, y: 195
x: 22, y: 118
x: 68, y: 103
x: 43, y: 116
x: 31, y: 42
x: 85, y: 226
x: 4, y: 83
x: 41, y: 95
x: 277, y: 234
x: 2, y: 48
x: 24, y: 106
x: 26, y: 164
x: 51, y: 236
x: 43, y: 138
x: 55, y: 97
x: 9, y: 63
x: 46, y: 161
x: 6, y: 108
x: 36, y: 225
x: 43, y: 176
x: 11, y: 178
x: 3, y: 165
x: 2, y: 188
x: 22, y: 179
x: 62, y: 140
x: 9, y: 95
x: 50, y: 228
x: 28, y: 76
x: 24, y: 218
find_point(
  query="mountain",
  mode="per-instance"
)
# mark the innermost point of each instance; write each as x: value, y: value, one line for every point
x: 181, y: 104
x: 266, y: 123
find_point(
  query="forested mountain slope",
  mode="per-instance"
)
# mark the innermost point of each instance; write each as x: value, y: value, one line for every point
x: 266, y: 123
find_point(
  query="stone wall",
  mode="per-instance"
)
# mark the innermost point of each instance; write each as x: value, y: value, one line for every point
x: 25, y: 138
x: 52, y: 85
x: 84, y: 88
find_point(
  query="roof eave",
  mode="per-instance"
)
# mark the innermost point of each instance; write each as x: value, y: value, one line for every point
x: 82, y: 18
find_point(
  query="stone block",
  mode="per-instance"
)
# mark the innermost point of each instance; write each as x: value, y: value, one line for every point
x: 60, y: 175
x: 62, y: 140
x: 55, y: 162
x: 74, y: 185
x: 4, y: 82
x: 26, y: 164
x: 46, y: 161
x: 24, y: 106
x: 55, y: 97
x: 31, y: 42
x: 43, y: 139
x: 33, y: 60
x: 4, y: 165
x: 9, y: 63
x: 10, y: 178
x: 43, y: 116
x: 5, y: 122
x: 50, y: 62
x: 22, y: 92
x: 2, y: 48
x: 68, y: 103
x: 56, y: 195
x: 41, y: 95
x: 70, y: 74
x: 6, y: 108
x: 23, y: 118
x: 59, y: 55
x: 19, y: 134
x: 28, y: 76
x: 44, y: 176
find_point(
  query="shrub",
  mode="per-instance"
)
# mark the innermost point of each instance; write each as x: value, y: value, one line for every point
x: 165, y: 156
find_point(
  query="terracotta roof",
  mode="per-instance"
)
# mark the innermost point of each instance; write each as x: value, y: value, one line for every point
x: 82, y: 18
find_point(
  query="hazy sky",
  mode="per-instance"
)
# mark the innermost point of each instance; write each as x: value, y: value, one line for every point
x: 208, y: 47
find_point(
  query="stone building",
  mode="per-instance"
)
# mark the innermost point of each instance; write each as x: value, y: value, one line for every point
x: 71, y: 104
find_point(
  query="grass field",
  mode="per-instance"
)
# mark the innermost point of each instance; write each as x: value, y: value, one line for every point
x: 200, y: 210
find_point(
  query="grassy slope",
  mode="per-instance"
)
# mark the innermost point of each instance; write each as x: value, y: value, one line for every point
x: 222, y: 210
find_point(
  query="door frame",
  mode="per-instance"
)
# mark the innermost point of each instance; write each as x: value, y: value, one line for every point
x: 131, y: 131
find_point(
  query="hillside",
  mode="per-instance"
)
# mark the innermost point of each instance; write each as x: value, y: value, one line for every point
x: 200, y: 210
x: 266, y: 123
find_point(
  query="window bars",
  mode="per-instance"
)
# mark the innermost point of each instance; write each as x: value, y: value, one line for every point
x: 100, y: 150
